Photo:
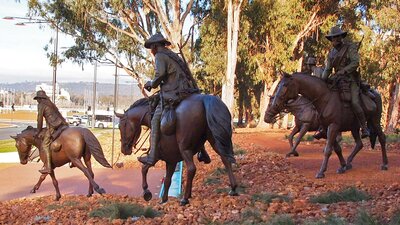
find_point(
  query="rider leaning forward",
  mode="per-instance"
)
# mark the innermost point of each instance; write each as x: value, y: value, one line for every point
x: 54, y: 121
x: 174, y: 78
x: 344, y: 59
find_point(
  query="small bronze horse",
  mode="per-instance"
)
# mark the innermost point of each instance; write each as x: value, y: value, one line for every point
x: 335, y: 116
x: 72, y: 144
x: 199, y: 118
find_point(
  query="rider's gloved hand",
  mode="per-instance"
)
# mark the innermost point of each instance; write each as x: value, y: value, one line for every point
x: 148, y: 86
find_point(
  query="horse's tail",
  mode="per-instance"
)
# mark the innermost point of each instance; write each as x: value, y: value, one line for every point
x: 375, y: 120
x: 94, y: 147
x: 219, y: 122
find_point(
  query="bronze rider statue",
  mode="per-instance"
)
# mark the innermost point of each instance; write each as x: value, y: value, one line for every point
x: 345, y: 59
x: 312, y: 68
x: 174, y: 78
x: 54, y: 121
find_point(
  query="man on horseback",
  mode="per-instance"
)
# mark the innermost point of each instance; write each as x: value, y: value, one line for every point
x: 173, y: 77
x: 312, y: 68
x: 54, y: 121
x: 345, y: 59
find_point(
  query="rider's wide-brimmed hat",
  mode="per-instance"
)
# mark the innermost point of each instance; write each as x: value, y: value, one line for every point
x: 157, y: 38
x: 334, y: 32
x: 311, y: 61
x: 41, y: 94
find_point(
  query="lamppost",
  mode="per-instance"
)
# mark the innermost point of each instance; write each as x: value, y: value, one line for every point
x: 28, y: 20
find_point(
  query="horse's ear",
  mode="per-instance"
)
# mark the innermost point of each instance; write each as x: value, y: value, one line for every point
x: 29, y: 127
x: 119, y: 115
x: 13, y: 137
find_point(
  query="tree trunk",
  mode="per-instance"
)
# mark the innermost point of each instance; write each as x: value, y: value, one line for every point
x: 393, y: 109
x: 264, y: 101
x: 228, y: 87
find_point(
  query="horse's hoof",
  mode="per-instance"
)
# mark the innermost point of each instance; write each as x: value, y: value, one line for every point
x: 89, y: 195
x: 100, y: 191
x: 384, y: 167
x: 349, y: 167
x: 320, y: 175
x: 184, y: 202
x: 288, y: 155
x: 57, y: 198
x: 163, y: 201
x: 341, y: 170
x: 33, y: 191
x: 233, y: 193
x: 147, y: 195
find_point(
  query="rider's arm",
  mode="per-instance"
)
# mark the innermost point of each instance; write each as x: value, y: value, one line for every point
x: 161, y: 70
x: 328, y: 68
x: 40, y: 117
x: 354, y: 57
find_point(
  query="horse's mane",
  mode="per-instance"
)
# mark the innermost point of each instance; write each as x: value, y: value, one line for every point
x: 140, y: 102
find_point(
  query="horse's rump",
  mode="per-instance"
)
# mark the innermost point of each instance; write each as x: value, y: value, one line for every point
x: 367, y: 103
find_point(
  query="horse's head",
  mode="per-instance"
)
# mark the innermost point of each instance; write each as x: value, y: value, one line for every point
x: 285, y: 90
x: 130, y: 126
x: 24, y: 142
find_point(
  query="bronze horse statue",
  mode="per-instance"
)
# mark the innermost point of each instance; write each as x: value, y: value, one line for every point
x: 200, y: 118
x: 71, y: 145
x: 305, y: 120
x: 335, y: 116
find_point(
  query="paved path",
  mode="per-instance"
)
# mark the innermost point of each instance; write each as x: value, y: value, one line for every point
x: 17, y: 180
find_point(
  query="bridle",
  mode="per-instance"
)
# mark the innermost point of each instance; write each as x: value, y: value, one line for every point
x: 135, y: 134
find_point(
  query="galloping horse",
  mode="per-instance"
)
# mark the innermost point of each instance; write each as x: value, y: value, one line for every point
x: 72, y: 144
x: 335, y: 116
x: 199, y: 118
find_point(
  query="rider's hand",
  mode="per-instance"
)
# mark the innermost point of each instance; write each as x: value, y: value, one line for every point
x: 147, y: 86
x: 340, y: 72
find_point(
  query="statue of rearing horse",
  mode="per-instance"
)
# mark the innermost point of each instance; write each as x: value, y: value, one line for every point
x: 335, y: 116
x: 200, y: 118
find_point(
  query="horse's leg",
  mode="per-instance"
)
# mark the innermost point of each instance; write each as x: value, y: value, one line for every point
x: 88, y: 164
x: 382, y: 140
x: 303, y: 131
x: 78, y: 163
x: 331, y: 138
x: 187, y: 156
x: 55, y: 184
x: 170, y: 167
x: 37, y: 185
x: 295, y: 130
x: 338, y: 151
x: 146, y: 193
x: 357, y: 147
x: 228, y: 167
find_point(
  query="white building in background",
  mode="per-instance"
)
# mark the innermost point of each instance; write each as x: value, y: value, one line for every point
x: 61, y: 93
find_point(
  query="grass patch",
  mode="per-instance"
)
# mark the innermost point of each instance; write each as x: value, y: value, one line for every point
x: 281, y: 220
x: 7, y: 145
x: 267, y: 198
x: 212, y: 180
x: 67, y: 204
x: 251, y: 216
x: 392, y: 138
x: 330, y: 220
x: 364, y: 218
x: 239, y: 189
x: 350, y: 194
x: 123, y: 211
x: 237, y: 150
x: 218, y: 172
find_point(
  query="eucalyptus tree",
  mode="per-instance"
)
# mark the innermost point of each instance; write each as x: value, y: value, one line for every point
x: 115, y: 30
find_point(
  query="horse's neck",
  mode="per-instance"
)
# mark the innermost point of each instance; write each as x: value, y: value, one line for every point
x: 314, y: 90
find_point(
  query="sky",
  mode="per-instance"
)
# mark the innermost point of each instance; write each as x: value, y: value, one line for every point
x: 22, y: 54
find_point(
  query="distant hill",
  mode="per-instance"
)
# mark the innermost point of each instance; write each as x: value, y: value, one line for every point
x: 78, y: 88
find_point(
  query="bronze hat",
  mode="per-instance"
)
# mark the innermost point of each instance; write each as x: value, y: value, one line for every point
x: 311, y: 61
x: 334, y: 32
x: 157, y: 38
x: 41, y: 94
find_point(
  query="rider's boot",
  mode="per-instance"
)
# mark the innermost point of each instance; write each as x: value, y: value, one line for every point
x: 363, y: 124
x: 46, y: 169
x: 321, y: 133
x: 203, y: 156
x: 152, y: 157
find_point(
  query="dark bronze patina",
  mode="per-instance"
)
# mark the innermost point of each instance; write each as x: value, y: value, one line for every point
x: 72, y: 144
x: 199, y: 118
x: 335, y: 115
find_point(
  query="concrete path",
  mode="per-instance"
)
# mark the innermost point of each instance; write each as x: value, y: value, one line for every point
x: 17, y: 180
x: 9, y: 157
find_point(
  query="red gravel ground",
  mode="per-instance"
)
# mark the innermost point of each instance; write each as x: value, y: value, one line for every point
x: 261, y: 168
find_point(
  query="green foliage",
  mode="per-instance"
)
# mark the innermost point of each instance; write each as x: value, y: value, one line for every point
x: 281, y: 220
x: 330, y: 220
x: 73, y: 204
x: 350, y: 194
x: 7, y: 145
x: 392, y: 138
x: 212, y: 180
x: 123, y: 211
x: 267, y: 198
x: 364, y: 218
